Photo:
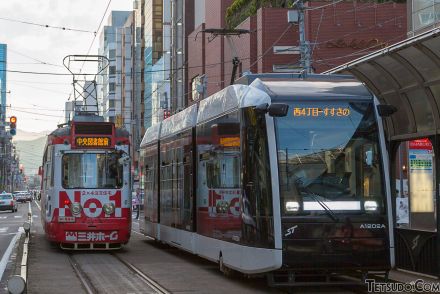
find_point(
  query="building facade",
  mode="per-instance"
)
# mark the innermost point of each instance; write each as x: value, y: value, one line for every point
x: 124, y: 60
x: 153, y: 30
x: 109, y: 98
x: 337, y: 33
x: 423, y: 15
x: 3, y: 89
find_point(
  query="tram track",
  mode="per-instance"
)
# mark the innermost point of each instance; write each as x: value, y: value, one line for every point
x: 110, y: 273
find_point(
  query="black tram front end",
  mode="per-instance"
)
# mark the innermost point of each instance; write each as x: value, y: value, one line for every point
x: 331, y: 180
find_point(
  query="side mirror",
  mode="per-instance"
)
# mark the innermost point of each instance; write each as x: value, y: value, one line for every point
x: 274, y: 109
x: 386, y: 110
x: 278, y: 109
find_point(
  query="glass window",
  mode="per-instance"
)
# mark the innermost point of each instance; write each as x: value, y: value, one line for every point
x: 329, y: 159
x: 112, y: 54
x: 219, y: 175
x: 112, y: 70
x: 111, y: 87
x: 92, y: 170
x: 5, y: 196
x: 422, y: 4
x: 257, y: 208
x: 424, y: 17
x: 223, y: 171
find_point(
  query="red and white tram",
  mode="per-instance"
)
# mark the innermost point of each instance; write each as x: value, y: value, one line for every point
x: 86, y: 197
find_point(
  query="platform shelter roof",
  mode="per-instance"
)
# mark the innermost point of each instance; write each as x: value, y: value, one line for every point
x: 407, y: 76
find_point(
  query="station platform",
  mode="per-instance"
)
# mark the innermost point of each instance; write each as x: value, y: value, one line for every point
x: 403, y: 276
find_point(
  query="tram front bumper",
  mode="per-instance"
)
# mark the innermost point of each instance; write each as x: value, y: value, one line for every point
x: 90, y: 232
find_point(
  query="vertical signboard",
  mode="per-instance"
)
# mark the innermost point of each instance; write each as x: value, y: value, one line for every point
x: 421, y: 177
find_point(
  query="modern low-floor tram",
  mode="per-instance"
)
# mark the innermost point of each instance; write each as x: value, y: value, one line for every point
x: 284, y: 176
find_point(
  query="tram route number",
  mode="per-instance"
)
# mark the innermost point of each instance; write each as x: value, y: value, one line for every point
x: 91, y: 236
x: 66, y: 219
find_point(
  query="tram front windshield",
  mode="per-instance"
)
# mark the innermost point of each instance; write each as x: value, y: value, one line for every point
x: 92, y: 170
x: 329, y: 159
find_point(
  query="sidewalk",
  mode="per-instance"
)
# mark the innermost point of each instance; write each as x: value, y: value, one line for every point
x: 403, y: 276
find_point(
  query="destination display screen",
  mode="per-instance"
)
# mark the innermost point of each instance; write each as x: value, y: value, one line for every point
x: 230, y: 142
x: 321, y: 111
x: 93, y: 141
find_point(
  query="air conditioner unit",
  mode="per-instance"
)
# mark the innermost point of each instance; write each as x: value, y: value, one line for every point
x: 292, y: 16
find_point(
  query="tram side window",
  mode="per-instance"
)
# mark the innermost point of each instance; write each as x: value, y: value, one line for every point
x: 49, y: 167
x: 257, y: 200
x: 219, y: 178
x: 223, y: 171
x: 48, y: 170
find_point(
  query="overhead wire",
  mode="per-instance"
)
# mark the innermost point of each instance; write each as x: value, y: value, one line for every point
x: 29, y: 108
x: 39, y: 88
x: 33, y: 58
x: 96, y: 32
x: 46, y: 25
x: 40, y: 114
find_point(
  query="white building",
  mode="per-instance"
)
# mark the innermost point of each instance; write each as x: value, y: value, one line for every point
x: 110, y: 100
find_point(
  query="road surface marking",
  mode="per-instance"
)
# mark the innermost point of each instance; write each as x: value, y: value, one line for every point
x: 137, y: 232
x: 5, y: 258
x: 38, y: 205
x: 4, y: 230
x: 7, y: 234
x: 3, y: 217
x: 18, y: 216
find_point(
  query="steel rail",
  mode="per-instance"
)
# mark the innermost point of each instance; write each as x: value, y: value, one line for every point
x: 152, y: 283
x: 90, y: 289
x: 86, y: 283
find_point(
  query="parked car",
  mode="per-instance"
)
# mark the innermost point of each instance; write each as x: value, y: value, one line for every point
x: 7, y: 202
x: 20, y: 196
x: 28, y: 196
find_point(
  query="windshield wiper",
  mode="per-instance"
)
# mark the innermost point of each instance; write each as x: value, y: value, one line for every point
x: 329, y: 212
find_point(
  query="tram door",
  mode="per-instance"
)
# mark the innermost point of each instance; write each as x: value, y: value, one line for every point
x: 415, y: 206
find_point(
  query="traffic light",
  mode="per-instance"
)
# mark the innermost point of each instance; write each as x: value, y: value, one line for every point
x: 13, y: 125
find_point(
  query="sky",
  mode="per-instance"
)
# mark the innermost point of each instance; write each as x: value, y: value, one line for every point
x: 38, y: 100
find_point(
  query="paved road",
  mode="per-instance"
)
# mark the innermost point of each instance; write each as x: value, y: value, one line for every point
x: 10, y: 223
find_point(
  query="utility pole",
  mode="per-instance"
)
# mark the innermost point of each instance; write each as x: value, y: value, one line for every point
x: 298, y: 16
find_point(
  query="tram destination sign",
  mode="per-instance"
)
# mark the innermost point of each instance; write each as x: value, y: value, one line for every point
x: 93, y: 142
x: 321, y: 112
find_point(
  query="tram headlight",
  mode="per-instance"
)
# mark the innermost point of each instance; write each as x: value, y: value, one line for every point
x: 370, y: 205
x: 109, y: 208
x: 292, y: 206
x: 75, y: 208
